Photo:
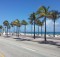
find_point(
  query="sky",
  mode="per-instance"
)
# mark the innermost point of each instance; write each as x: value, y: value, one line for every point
x: 21, y: 9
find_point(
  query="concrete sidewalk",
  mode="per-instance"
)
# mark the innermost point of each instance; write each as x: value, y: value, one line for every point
x: 50, y: 49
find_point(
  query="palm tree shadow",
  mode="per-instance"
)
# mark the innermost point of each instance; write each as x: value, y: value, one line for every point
x: 7, y: 36
x: 50, y: 43
x: 55, y: 38
x: 36, y: 36
x: 20, y: 39
x: 40, y: 42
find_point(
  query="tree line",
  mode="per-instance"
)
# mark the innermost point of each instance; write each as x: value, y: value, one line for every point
x: 43, y: 13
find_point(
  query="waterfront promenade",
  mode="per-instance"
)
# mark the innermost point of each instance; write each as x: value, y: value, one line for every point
x: 25, y: 46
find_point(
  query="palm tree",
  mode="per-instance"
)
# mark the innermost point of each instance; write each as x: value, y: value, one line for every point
x: 39, y: 23
x: 17, y: 24
x: 12, y: 25
x: 9, y: 27
x: 1, y: 27
x: 54, y: 15
x: 18, y: 27
x: 24, y: 23
x: 32, y: 19
x: 43, y: 12
x: 6, y: 23
x: 31, y: 27
x: 38, y: 29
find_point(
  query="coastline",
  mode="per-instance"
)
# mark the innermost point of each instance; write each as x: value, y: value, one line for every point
x: 47, y: 35
x: 29, y: 34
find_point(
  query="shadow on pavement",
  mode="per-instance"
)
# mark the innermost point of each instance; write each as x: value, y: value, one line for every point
x: 20, y: 39
x: 50, y: 42
x: 36, y: 36
x: 55, y: 38
x: 40, y: 42
x: 7, y: 36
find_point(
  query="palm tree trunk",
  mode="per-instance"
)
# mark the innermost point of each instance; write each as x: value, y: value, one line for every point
x: 54, y: 29
x: 31, y: 29
x: 38, y: 30
x: 45, y: 30
x: 18, y: 31
x: 12, y: 32
x: 0, y: 33
x: 14, y: 29
x: 7, y: 30
x: 25, y: 29
x: 41, y: 30
x: 34, y: 29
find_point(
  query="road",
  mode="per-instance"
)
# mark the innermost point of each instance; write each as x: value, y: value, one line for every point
x: 11, y: 48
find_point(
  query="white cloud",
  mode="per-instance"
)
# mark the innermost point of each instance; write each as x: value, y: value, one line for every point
x: 50, y: 23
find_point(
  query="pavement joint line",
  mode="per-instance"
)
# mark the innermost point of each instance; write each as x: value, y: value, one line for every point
x: 1, y: 54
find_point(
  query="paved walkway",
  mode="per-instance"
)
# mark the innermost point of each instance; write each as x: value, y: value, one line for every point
x: 29, y: 47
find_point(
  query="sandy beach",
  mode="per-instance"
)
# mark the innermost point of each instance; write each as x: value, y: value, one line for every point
x: 47, y: 35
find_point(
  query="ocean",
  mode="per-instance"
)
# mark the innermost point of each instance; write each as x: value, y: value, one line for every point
x: 39, y: 32
x: 42, y: 32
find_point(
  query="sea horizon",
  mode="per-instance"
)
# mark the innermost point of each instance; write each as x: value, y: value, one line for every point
x: 37, y: 32
x: 42, y: 32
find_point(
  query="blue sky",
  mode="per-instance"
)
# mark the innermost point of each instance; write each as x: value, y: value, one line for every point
x: 21, y: 9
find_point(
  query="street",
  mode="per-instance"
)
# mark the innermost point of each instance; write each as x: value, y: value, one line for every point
x: 10, y: 47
